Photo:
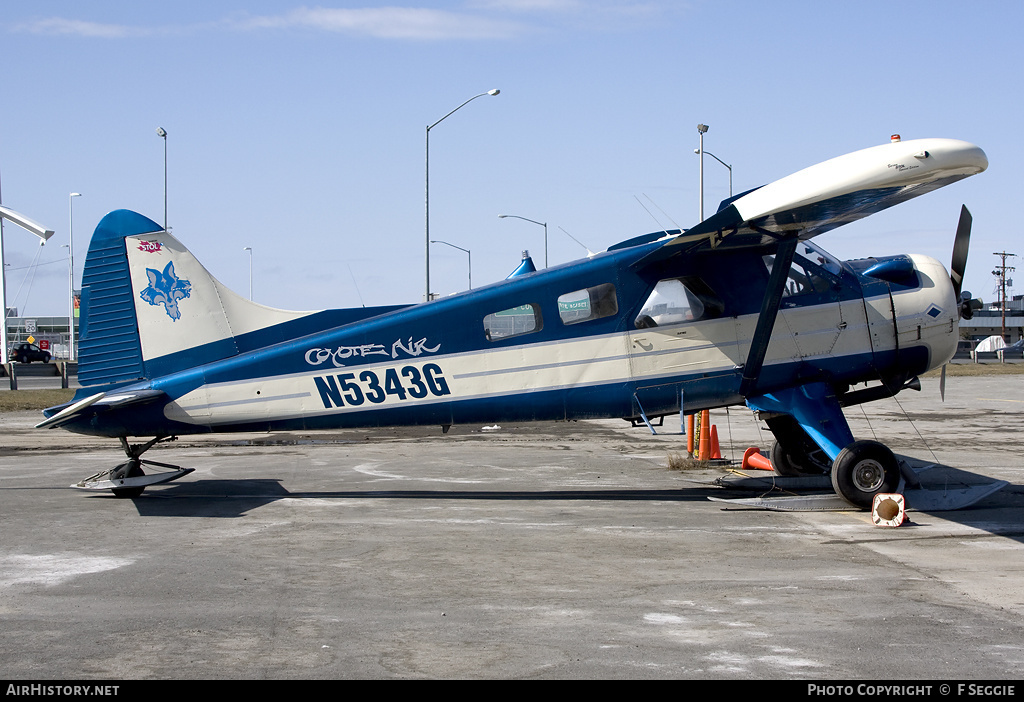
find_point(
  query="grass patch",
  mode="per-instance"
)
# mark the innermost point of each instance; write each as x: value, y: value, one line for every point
x: 682, y: 461
x: 20, y: 400
x: 960, y: 370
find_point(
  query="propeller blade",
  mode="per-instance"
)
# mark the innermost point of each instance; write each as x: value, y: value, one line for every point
x: 960, y: 247
x: 942, y: 383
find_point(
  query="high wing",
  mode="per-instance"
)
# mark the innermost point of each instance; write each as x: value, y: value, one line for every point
x: 830, y: 194
x: 816, y: 200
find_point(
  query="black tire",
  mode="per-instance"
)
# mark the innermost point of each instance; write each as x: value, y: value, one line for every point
x: 134, y: 470
x: 788, y: 463
x: 864, y: 469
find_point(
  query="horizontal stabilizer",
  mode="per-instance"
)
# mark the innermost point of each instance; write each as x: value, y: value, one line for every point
x: 97, y: 403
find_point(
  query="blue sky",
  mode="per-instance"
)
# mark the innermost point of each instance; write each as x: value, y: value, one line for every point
x: 298, y: 130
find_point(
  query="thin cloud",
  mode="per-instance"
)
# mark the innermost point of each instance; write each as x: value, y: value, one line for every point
x: 391, y: 23
x: 482, y: 19
x: 69, y: 27
x: 529, y: 5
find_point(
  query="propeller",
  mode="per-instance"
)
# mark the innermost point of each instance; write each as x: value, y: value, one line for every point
x: 967, y: 304
x: 960, y: 247
x: 959, y: 264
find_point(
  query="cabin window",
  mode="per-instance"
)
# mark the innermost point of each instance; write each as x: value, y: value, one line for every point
x: 514, y: 321
x: 677, y: 300
x: 804, y: 277
x: 588, y: 304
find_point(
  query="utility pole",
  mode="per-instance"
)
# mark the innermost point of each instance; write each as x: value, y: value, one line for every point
x: 1000, y: 273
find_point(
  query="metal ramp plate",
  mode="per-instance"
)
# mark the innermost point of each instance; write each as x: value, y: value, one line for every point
x: 919, y: 500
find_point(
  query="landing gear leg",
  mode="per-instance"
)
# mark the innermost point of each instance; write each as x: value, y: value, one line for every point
x: 859, y: 469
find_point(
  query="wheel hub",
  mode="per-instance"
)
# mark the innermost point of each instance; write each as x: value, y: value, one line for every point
x: 868, y: 475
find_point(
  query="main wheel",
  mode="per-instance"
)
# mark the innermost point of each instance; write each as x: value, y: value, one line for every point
x: 795, y: 463
x: 864, y: 469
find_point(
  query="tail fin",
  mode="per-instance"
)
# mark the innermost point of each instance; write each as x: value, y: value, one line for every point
x: 150, y: 308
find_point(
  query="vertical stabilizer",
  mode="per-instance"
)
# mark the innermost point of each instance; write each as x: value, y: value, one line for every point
x: 150, y: 308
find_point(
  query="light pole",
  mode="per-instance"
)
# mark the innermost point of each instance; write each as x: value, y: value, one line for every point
x: 162, y: 133
x: 470, y: 255
x: 71, y: 275
x: 697, y: 151
x: 701, y: 129
x: 33, y: 227
x: 249, y: 249
x: 542, y: 224
x: 426, y: 297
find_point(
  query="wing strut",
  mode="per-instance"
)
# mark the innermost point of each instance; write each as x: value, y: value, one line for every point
x: 769, y: 312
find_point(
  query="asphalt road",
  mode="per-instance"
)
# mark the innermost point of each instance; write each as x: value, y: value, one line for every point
x: 529, y: 551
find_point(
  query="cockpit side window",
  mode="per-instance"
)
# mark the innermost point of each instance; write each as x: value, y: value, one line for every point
x: 678, y: 300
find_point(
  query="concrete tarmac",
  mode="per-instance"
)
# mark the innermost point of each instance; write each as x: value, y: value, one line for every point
x: 556, y: 550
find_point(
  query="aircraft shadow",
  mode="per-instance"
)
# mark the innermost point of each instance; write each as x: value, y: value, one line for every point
x: 234, y: 498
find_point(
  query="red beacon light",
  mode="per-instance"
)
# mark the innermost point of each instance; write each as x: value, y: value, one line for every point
x: 894, y: 138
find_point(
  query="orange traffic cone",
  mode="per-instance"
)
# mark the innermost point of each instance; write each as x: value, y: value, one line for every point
x: 752, y: 458
x: 716, y: 451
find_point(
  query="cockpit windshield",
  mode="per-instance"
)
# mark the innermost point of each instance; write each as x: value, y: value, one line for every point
x: 816, y: 254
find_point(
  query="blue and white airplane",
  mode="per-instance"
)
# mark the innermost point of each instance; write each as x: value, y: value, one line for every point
x: 740, y: 309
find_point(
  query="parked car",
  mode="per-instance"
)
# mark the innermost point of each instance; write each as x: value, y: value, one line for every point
x: 26, y: 353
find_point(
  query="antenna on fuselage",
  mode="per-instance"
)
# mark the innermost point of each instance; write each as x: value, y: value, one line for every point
x: 589, y: 252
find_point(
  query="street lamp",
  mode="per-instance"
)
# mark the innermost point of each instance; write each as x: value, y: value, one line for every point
x: 542, y: 224
x: 162, y: 133
x: 33, y: 227
x: 697, y: 151
x: 71, y: 275
x: 470, y: 255
x: 702, y: 130
x: 427, y: 182
x: 249, y: 249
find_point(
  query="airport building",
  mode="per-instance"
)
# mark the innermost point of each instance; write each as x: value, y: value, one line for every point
x: 990, y: 319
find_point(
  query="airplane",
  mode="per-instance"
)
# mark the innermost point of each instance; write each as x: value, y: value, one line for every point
x: 742, y: 308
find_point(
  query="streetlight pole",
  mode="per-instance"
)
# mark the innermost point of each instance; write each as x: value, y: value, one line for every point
x: 33, y: 227
x: 701, y: 129
x: 426, y: 297
x: 162, y: 133
x: 249, y: 249
x: 470, y: 255
x: 697, y: 151
x: 542, y: 224
x: 71, y: 275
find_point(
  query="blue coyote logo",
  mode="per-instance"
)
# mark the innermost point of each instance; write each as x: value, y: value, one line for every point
x: 166, y: 289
